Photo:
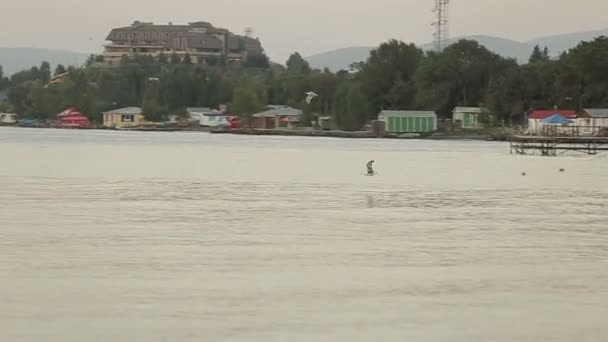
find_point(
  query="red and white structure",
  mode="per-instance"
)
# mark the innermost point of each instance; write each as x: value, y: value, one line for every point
x: 72, y: 118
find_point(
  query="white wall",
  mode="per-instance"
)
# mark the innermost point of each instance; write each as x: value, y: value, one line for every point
x: 534, y: 125
x: 8, y: 118
x: 215, y: 120
x: 600, y: 123
x: 209, y: 120
x: 585, y: 126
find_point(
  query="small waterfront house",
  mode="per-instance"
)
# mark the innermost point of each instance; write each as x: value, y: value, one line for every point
x: 277, y: 117
x: 467, y: 117
x: 208, y: 117
x: 535, y: 119
x: 596, y: 119
x: 123, y: 117
x: 72, y: 118
x: 408, y: 121
x: 8, y: 119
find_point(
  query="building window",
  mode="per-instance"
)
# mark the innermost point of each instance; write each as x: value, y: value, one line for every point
x: 127, y: 118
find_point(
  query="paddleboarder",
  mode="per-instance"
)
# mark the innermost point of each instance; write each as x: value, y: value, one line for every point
x: 370, y: 168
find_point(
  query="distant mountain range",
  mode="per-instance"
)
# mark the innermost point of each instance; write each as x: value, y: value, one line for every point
x: 343, y: 58
x: 17, y: 59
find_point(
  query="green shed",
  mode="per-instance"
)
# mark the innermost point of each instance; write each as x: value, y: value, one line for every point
x: 409, y: 121
x: 468, y: 117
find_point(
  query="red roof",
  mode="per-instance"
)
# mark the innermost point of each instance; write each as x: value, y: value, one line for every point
x: 543, y: 114
x: 72, y: 118
x: 68, y: 112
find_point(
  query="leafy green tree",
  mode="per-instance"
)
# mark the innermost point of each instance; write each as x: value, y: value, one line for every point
x: 459, y: 76
x: 4, y: 107
x: 245, y: 104
x: 31, y: 74
x: 351, y: 106
x: 546, y: 55
x: 588, y: 60
x: 152, y: 109
x: 539, y: 56
x: 175, y: 59
x: 296, y: 65
x: 215, y: 61
x: 325, y: 85
x: 536, y: 56
x: 60, y: 69
x: 388, y: 75
x: 4, y: 81
x: 45, y: 72
x: 257, y: 61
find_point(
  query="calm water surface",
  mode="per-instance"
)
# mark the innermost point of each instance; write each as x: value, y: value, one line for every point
x: 116, y: 236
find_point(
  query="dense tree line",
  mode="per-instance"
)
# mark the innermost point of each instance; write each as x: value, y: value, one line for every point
x: 395, y: 76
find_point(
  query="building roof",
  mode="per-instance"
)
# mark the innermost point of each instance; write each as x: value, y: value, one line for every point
x: 557, y: 119
x: 272, y: 106
x: 138, y: 26
x: 408, y: 113
x: 199, y: 110
x: 125, y: 111
x: 69, y: 112
x: 597, y: 112
x: 205, y: 111
x: 474, y: 110
x: 543, y: 114
x: 283, y: 111
x: 114, y: 34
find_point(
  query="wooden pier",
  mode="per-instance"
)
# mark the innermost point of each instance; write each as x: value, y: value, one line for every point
x: 552, y: 145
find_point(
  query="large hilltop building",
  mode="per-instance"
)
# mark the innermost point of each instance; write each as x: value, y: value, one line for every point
x: 200, y: 40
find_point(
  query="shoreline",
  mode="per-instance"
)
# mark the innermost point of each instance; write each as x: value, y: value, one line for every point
x: 365, y: 134
x: 461, y: 135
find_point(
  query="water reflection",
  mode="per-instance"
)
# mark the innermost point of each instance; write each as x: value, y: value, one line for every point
x: 370, y: 201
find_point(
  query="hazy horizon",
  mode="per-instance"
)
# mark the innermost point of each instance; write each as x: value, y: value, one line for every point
x: 309, y: 27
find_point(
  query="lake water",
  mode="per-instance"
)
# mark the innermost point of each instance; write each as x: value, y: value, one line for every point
x: 162, y: 237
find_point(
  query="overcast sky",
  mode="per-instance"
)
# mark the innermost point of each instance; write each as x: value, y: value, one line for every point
x: 284, y: 26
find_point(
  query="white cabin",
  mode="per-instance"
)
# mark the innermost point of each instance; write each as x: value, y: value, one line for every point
x: 8, y: 119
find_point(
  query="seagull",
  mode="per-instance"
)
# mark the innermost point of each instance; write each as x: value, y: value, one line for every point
x: 310, y: 96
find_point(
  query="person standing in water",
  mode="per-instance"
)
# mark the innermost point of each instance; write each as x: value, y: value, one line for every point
x: 370, y: 168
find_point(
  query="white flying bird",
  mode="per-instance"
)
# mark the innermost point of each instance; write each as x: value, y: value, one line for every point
x: 310, y: 96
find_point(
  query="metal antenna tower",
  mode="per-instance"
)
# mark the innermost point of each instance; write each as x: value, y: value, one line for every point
x: 442, y: 32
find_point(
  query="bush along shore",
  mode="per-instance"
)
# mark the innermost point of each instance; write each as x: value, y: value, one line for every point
x: 482, y: 135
